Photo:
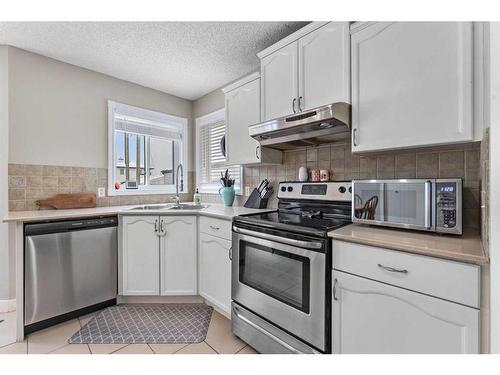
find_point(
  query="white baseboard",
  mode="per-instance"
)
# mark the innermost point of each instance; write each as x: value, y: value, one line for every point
x: 7, y: 305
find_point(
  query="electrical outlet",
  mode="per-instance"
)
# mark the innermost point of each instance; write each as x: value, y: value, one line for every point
x: 101, y: 192
x: 247, y: 190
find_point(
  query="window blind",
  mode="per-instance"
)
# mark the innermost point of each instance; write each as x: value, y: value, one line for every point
x: 211, y: 160
x: 144, y: 127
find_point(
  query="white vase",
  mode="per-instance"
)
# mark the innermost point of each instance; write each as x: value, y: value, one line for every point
x: 303, y: 175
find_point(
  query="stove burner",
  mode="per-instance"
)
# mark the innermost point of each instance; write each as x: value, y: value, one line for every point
x: 312, y: 214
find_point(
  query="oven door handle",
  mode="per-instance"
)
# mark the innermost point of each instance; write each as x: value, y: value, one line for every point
x: 288, y: 241
x: 266, y: 333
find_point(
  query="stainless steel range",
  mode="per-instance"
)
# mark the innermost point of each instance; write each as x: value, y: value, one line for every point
x: 281, y: 287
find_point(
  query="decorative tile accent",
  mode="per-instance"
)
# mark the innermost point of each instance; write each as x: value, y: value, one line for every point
x: 135, y: 324
x: 461, y: 160
x: 28, y: 183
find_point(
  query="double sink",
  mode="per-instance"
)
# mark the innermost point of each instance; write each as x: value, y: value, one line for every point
x: 169, y: 206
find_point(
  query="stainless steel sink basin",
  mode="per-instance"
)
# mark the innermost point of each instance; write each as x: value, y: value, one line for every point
x: 152, y: 207
x: 188, y: 207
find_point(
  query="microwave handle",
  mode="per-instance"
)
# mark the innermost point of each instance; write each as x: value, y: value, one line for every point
x: 428, y: 204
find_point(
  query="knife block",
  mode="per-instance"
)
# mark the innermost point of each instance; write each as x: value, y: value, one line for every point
x: 255, y: 201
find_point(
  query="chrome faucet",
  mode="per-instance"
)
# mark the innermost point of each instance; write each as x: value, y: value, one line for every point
x: 177, y: 198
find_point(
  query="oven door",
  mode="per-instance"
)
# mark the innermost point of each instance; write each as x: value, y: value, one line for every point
x: 283, y: 280
x: 396, y: 203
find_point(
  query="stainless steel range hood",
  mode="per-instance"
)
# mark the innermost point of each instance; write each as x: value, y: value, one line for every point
x: 319, y: 125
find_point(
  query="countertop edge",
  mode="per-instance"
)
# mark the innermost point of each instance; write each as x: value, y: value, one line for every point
x: 443, y: 254
x: 126, y: 210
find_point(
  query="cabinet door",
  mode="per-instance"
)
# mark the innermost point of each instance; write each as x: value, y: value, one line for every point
x: 279, y: 80
x: 215, y: 271
x: 411, y: 84
x: 178, y: 255
x: 372, y: 317
x: 140, y: 258
x: 324, y: 66
x: 242, y: 110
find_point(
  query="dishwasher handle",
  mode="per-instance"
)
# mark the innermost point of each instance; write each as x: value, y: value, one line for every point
x: 70, y: 225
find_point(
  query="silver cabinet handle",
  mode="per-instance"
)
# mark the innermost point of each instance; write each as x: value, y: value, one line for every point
x: 391, y: 269
x: 354, y: 143
x: 257, y: 152
x: 230, y: 253
x: 335, y: 282
x: 288, y: 241
x: 214, y: 228
x: 156, y: 226
x: 163, y: 232
x: 300, y: 104
x: 293, y: 105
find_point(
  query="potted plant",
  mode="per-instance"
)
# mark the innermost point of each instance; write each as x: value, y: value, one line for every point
x: 227, y: 189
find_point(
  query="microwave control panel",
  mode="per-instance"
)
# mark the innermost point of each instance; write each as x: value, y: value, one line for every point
x: 446, y: 204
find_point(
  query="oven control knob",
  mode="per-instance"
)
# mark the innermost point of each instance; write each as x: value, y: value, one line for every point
x: 342, y: 189
x: 290, y: 189
x: 283, y: 188
x: 350, y: 189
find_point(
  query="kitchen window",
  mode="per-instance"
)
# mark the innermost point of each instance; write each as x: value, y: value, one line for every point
x: 210, y: 158
x: 145, y: 148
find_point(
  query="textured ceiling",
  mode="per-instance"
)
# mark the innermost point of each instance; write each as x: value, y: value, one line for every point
x: 187, y: 59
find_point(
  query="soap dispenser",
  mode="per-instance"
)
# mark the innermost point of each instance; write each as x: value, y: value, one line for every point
x: 197, y: 198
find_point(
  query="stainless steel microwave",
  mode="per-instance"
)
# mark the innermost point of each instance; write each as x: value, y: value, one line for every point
x: 433, y: 205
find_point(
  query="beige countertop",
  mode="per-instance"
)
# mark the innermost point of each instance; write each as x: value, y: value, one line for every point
x: 465, y: 248
x: 214, y: 210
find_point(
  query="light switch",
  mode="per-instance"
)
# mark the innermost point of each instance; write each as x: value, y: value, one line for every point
x: 101, y: 192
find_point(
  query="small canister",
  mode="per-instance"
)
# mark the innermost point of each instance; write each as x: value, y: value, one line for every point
x: 315, y: 175
x: 324, y: 175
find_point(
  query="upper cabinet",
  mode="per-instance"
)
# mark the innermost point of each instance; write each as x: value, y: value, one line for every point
x: 324, y: 66
x: 411, y: 84
x: 307, y: 69
x: 242, y: 102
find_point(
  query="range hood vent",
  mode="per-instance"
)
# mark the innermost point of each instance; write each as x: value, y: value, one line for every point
x: 325, y: 124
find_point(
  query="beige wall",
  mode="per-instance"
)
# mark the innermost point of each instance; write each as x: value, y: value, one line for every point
x: 208, y: 103
x: 58, y: 112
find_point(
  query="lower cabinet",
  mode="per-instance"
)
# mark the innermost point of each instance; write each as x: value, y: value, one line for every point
x: 215, y: 271
x: 374, y: 317
x: 178, y: 256
x: 139, y: 260
x: 157, y: 256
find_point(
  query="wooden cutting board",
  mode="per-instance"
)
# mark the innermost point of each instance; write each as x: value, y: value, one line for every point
x: 66, y: 201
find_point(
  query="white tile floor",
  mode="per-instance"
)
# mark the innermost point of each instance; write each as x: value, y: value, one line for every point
x: 54, y: 340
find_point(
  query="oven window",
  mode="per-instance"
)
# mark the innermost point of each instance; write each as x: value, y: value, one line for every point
x: 281, y: 275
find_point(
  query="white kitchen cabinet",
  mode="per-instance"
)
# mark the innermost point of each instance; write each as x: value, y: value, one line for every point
x: 411, y: 84
x: 374, y: 317
x: 139, y: 262
x: 279, y: 82
x: 178, y: 271
x: 324, y: 63
x: 215, y: 271
x: 242, y: 104
x: 307, y: 69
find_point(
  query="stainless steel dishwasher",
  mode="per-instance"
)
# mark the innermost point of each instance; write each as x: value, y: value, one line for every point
x: 70, y: 269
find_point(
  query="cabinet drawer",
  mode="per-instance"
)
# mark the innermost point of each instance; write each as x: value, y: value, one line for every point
x: 216, y: 227
x: 453, y: 281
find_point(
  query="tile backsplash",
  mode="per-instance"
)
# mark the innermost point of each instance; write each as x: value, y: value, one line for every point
x: 29, y: 183
x: 461, y: 160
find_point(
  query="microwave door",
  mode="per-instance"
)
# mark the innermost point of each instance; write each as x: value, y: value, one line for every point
x: 398, y: 203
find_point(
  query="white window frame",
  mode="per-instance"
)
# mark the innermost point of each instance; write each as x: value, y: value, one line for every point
x: 154, y: 116
x: 211, y: 118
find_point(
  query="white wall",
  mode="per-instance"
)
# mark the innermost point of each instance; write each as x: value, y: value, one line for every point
x: 494, y: 120
x: 58, y: 112
x: 5, y: 292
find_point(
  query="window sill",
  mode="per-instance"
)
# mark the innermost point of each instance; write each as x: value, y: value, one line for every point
x: 114, y: 193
